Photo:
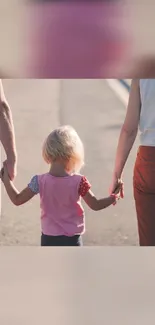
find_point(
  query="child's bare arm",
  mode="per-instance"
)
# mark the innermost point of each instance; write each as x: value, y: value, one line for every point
x: 17, y: 198
x: 99, y: 204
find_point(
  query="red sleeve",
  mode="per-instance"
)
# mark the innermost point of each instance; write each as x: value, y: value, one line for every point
x: 84, y: 186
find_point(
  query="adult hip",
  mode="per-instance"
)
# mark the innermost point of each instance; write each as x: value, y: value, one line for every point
x: 144, y: 194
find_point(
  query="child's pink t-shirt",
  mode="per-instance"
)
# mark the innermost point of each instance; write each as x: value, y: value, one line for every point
x: 60, y: 201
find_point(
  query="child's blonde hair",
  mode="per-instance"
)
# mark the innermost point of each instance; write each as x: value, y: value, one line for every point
x: 64, y: 144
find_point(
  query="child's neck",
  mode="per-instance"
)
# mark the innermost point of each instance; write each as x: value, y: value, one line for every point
x: 57, y: 169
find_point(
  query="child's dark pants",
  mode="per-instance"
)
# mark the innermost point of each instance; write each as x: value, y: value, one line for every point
x: 61, y: 240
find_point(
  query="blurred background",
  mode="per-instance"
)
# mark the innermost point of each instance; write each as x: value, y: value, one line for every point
x: 77, y: 39
x: 116, y: 279
x: 96, y: 109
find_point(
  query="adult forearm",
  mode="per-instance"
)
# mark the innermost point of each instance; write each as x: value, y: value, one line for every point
x: 126, y: 141
x: 7, y: 136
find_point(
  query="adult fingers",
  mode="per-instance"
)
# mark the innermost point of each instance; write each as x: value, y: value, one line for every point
x: 122, y: 191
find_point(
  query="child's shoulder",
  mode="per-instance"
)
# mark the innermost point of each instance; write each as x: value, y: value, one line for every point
x: 42, y: 176
x: 77, y: 175
x: 81, y: 178
x: 83, y: 181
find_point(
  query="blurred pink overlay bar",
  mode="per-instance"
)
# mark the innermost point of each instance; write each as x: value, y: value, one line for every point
x: 76, y: 39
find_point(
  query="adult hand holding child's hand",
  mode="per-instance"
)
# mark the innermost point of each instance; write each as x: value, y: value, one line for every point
x: 117, y: 189
x: 4, y: 172
x: 117, y: 186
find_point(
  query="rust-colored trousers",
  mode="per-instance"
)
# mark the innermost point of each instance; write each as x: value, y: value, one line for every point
x: 144, y: 194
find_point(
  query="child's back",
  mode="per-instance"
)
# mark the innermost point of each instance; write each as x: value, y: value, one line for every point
x: 61, y: 209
